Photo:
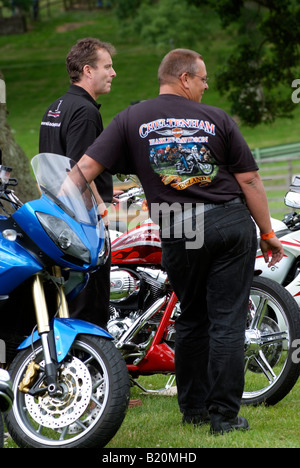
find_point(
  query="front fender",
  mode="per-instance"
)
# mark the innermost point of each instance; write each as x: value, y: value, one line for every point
x: 65, y: 331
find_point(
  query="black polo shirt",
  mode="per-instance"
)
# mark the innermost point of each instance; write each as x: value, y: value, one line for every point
x: 69, y: 126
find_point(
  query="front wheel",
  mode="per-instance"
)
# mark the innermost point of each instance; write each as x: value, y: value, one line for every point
x: 1, y: 431
x: 272, y: 332
x: 91, y: 408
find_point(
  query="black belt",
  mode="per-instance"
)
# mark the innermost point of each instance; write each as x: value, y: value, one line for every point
x: 199, y: 208
x: 211, y: 206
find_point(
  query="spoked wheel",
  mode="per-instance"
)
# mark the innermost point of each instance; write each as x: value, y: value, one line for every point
x: 92, y: 404
x: 273, y: 327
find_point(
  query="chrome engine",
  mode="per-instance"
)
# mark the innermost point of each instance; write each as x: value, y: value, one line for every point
x: 134, y: 294
x: 123, y: 284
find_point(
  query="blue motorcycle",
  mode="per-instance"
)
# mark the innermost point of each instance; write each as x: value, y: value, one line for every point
x: 70, y: 383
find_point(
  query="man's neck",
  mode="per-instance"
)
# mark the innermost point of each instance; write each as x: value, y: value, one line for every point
x: 173, y: 89
x: 87, y: 89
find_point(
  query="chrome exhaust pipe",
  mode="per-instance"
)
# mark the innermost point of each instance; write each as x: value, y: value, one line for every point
x: 140, y: 322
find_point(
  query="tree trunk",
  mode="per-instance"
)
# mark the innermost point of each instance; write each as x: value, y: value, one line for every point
x: 13, y: 155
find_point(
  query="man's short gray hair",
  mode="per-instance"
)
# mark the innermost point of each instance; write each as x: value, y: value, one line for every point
x: 176, y: 62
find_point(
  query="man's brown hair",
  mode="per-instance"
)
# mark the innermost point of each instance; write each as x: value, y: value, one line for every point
x: 84, y: 52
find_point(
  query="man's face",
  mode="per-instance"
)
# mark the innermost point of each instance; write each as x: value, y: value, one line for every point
x: 103, y: 73
x: 198, y: 82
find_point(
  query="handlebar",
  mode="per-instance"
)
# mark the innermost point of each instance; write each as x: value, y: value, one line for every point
x: 5, y: 193
x: 292, y: 221
x: 133, y: 194
x: 5, y: 179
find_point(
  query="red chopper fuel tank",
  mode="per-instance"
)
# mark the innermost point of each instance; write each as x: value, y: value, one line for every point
x: 141, y: 245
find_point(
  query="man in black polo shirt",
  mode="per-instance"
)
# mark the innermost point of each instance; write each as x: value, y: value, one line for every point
x: 69, y: 126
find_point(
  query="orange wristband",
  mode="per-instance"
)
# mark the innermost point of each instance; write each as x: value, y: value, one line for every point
x: 270, y: 235
x: 105, y: 213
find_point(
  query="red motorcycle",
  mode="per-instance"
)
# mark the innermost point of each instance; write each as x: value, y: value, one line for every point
x: 144, y: 309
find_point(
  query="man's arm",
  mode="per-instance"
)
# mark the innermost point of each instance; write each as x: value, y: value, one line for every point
x: 90, y: 170
x: 256, y: 199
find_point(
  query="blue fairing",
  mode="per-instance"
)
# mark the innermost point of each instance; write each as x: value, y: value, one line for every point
x: 65, y: 332
x: 16, y: 265
x: 27, y: 220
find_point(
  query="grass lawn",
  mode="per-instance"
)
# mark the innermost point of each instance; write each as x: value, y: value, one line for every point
x: 156, y: 424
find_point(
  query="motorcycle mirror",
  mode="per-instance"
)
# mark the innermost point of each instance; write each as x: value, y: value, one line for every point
x: 5, y: 174
x: 292, y: 199
x: 122, y: 177
x: 296, y: 181
x: 126, y: 178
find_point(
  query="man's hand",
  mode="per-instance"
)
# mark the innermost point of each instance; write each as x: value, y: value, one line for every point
x: 102, y: 210
x: 272, y: 250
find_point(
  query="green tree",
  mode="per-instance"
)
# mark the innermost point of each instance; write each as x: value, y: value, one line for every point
x: 18, y: 7
x: 258, y: 75
x: 13, y: 155
x: 169, y: 23
x: 165, y: 23
x: 126, y: 8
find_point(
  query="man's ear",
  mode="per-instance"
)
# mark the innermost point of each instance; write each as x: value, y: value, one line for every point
x: 184, y: 77
x: 86, y: 71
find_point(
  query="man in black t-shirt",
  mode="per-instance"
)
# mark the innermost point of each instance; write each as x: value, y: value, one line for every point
x: 202, y: 186
x: 69, y: 126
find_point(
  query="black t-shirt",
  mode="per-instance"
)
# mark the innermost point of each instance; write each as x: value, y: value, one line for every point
x: 182, y: 151
x: 69, y: 126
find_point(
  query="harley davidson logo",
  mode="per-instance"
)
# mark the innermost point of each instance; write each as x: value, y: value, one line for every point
x: 177, y: 132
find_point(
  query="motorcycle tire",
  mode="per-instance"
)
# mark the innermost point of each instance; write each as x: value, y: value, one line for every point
x: 1, y: 431
x: 93, y: 404
x: 273, y: 330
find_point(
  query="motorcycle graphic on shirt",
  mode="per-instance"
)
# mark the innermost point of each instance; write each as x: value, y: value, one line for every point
x: 182, y: 159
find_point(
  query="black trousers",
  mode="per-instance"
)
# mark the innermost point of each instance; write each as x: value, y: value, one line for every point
x: 212, y: 284
x: 92, y: 304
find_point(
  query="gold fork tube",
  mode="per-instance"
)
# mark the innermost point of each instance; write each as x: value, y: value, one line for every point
x: 63, y: 308
x: 41, y: 310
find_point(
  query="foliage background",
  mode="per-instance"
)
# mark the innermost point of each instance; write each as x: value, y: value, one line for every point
x: 34, y: 69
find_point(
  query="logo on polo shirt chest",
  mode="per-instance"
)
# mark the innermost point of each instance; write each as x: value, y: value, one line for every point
x: 56, y: 113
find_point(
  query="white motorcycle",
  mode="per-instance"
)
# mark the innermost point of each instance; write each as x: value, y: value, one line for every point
x: 287, y: 271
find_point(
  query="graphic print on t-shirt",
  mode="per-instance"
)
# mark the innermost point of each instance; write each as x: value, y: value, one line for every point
x: 178, y: 154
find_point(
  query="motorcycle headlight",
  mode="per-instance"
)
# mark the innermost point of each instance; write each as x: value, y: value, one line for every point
x: 64, y: 237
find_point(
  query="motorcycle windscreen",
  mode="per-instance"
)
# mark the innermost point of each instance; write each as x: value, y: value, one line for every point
x: 60, y: 179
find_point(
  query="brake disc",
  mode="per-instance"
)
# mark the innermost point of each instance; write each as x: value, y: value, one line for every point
x: 60, y: 411
x: 96, y: 405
